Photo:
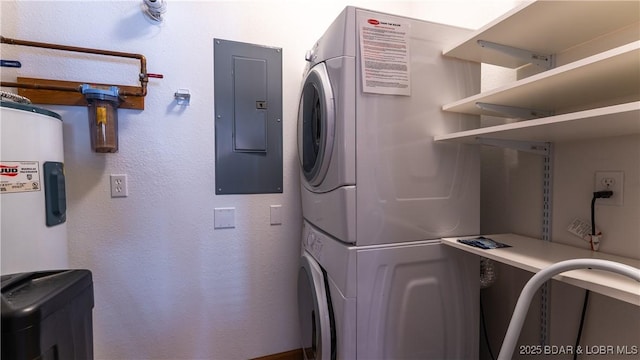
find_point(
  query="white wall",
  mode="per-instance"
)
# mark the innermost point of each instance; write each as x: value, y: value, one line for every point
x: 167, y: 285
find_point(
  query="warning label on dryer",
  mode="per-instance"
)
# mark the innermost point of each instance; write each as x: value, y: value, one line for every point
x: 19, y: 176
x: 384, y: 50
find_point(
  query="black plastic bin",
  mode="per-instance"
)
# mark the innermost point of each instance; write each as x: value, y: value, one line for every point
x: 47, y: 315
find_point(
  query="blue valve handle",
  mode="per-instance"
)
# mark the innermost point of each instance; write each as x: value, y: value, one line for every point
x: 10, y: 63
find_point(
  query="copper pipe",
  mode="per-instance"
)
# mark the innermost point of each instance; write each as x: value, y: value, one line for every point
x: 144, y: 76
x: 40, y: 87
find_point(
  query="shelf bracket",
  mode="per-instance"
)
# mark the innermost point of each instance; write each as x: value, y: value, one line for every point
x: 544, y: 149
x: 547, y: 197
x: 514, y: 111
x: 547, y: 193
x: 533, y: 147
x: 545, y: 61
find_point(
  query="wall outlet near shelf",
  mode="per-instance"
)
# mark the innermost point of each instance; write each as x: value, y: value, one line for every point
x: 610, y: 180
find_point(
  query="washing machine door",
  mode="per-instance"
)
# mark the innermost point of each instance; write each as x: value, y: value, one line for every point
x: 316, y: 125
x: 314, y: 310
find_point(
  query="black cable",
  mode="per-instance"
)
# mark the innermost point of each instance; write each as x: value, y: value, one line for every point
x: 584, y: 311
x: 596, y: 195
x: 484, y: 329
x: 593, y: 214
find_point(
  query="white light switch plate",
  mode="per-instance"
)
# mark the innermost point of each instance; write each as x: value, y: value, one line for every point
x: 224, y: 218
x: 276, y: 214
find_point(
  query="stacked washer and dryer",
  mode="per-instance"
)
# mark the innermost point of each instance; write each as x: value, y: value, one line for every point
x: 377, y: 193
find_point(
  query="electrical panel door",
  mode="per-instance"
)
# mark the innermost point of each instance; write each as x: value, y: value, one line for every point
x: 248, y: 118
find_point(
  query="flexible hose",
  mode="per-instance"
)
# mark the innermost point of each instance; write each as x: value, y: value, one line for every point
x: 530, y: 288
x: 487, y: 273
x: 14, y: 97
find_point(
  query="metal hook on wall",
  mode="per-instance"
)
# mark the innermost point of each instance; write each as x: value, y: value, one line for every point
x: 182, y: 96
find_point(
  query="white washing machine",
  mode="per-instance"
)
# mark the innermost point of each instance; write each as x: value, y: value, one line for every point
x: 371, y: 173
x: 415, y: 300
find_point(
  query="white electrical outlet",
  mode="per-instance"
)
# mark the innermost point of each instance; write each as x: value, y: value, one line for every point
x: 610, y: 180
x: 119, y: 185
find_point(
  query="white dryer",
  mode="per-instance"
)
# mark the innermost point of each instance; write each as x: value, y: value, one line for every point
x: 371, y: 173
x: 415, y: 300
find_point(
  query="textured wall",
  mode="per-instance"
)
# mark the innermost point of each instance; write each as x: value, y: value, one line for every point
x: 167, y: 285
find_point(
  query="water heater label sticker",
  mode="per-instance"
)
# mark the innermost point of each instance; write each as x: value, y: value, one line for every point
x: 19, y: 176
x: 384, y: 49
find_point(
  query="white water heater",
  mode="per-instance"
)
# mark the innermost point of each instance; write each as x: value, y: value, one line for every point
x: 32, y: 190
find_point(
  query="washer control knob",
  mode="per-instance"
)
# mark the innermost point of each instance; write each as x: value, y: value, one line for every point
x: 310, y: 55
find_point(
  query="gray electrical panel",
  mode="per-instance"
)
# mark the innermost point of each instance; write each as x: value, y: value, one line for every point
x: 248, y: 117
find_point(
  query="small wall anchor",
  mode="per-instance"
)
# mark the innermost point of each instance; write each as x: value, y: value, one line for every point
x: 182, y: 96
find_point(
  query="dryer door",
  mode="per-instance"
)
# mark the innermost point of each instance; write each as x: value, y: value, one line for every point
x: 315, y: 312
x: 316, y: 125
